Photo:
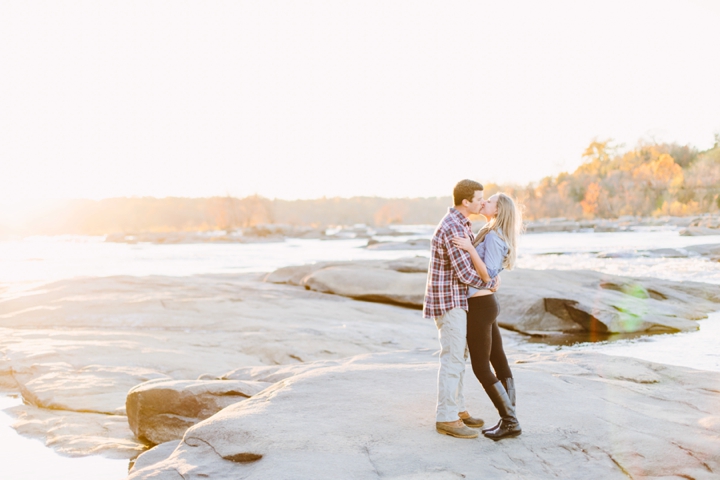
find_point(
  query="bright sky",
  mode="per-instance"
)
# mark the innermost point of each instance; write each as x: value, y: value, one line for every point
x: 300, y: 99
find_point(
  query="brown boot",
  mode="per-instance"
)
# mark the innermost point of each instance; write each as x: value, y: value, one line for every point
x: 471, y: 422
x: 455, y: 429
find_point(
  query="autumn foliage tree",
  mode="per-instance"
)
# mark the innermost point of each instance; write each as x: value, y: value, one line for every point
x: 651, y: 179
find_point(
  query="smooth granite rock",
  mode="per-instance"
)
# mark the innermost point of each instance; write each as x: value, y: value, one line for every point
x: 531, y: 301
x: 60, y: 386
x: 698, y: 231
x: 78, y: 346
x: 584, y: 415
x: 399, y: 282
x: 414, y: 244
x: 160, y: 411
x: 372, y: 284
x: 534, y: 301
x: 77, y: 434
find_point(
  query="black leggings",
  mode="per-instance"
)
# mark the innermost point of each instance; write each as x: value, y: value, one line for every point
x: 484, y: 341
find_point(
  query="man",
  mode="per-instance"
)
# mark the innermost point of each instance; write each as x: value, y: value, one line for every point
x: 451, y: 271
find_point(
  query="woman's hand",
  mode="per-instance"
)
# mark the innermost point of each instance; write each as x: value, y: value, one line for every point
x: 463, y: 242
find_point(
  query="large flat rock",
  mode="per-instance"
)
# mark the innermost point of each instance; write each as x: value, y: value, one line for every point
x: 77, y: 347
x: 77, y: 434
x: 699, y: 231
x: 59, y: 386
x: 531, y: 301
x: 372, y: 416
x: 571, y: 301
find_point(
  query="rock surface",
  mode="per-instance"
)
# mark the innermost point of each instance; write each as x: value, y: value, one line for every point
x: 160, y: 411
x: 59, y: 386
x: 710, y: 251
x: 536, y: 301
x: 77, y: 434
x: 413, y: 244
x: 704, y: 225
x: 76, y: 347
x: 400, y: 282
x: 583, y: 416
x: 531, y: 301
x: 698, y: 231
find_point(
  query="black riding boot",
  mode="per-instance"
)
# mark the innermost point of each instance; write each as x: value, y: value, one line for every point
x: 509, y: 384
x: 509, y: 425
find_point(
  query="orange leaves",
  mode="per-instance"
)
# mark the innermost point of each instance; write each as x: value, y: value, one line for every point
x: 659, y: 173
x: 590, y: 202
x: 666, y: 170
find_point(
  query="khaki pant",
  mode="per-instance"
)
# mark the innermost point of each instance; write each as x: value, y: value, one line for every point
x: 452, y: 331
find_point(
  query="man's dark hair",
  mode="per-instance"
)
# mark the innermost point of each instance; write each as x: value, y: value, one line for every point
x: 465, y: 190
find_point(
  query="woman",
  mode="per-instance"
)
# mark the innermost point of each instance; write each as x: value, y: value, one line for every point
x: 495, y: 248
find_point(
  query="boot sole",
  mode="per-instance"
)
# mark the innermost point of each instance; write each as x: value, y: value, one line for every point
x: 449, y: 434
x: 509, y: 435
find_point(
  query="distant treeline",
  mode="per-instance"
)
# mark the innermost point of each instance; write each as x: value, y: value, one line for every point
x: 651, y: 179
x: 148, y: 214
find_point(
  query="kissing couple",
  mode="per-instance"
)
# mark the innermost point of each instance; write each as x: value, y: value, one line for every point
x: 460, y: 297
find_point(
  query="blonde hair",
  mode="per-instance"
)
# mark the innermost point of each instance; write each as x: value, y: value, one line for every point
x: 507, y: 224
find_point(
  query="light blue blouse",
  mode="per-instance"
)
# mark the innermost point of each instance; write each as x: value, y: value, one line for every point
x: 493, y: 251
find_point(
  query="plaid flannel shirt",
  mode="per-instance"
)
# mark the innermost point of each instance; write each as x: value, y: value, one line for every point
x: 451, y: 269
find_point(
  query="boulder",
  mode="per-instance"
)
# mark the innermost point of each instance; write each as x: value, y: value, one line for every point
x: 619, y: 254
x: 368, y: 283
x: 583, y: 415
x: 552, y: 225
x: 706, y: 250
x: 413, y: 244
x: 400, y: 282
x: 295, y: 274
x: 532, y: 301
x: 160, y: 411
x: 698, y: 231
x: 707, y: 221
x: 536, y: 301
x: 669, y: 252
x: 712, y: 251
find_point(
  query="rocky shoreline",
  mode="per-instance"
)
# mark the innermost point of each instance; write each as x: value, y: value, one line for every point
x: 254, y: 376
x: 698, y: 225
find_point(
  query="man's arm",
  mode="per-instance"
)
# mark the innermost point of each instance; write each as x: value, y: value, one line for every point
x: 497, y: 284
x: 461, y: 263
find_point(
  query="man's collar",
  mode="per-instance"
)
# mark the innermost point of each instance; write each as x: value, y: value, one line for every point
x: 462, y: 218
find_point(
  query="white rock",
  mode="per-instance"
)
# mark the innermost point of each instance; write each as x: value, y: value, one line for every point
x: 583, y: 416
x: 77, y: 434
x: 160, y: 411
x: 531, y: 301
x: 372, y: 284
x: 59, y: 386
x: 82, y: 344
x: 698, y: 231
x: 413, y: 244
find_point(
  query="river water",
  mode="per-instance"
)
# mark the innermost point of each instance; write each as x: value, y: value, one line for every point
x: 28, y: 459
x: 34, y: 261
